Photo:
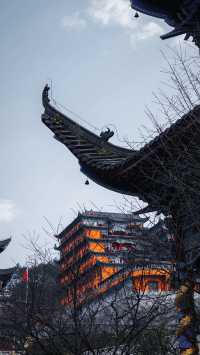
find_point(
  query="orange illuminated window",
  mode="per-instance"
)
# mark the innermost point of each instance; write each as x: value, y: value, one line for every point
x: 92, y: 233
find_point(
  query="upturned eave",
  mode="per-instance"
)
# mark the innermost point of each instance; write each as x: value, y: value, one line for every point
x: 146, y: 173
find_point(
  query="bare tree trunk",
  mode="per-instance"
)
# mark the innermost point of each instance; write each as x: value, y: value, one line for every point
x: 184, y: 301
x: 185, y: 307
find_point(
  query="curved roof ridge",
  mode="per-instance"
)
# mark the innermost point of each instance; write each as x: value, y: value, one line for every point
x: 49, y: 110
x: 142, y: 173
x: 4, y: 243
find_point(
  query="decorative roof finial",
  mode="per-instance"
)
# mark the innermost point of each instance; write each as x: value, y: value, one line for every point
x: 106, y: 135
x: 45, y: 95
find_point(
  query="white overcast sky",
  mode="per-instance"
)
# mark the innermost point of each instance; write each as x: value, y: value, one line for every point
x: 104, y: 65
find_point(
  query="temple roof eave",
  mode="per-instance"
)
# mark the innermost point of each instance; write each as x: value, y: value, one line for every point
x: 6, y: 274
x: 180, y: 14
x: 95, y: 169
x: 129, y: 172
x: 101, y: 178
x: 77, y: 129
x: 91, y: 151
x: 4, y: 243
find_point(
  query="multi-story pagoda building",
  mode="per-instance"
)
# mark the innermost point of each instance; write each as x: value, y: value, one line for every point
x: 99, y: 251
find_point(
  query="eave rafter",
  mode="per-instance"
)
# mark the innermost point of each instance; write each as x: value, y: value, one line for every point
x: 150, y: 173
x: 4, y: 243
x: 182, y: 15
x: 95, y: 156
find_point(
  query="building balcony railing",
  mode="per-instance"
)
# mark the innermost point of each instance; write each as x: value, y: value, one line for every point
x: 126, y: 233
x: 74, y: 250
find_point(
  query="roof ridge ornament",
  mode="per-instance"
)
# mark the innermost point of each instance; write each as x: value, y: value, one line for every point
x: 106, y: 135
x: 45, y: 95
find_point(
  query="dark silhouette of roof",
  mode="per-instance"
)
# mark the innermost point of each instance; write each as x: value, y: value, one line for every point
x: 183, y: 15
x: 5, y: 274
x: 152, y: 173
x: 3, y: 244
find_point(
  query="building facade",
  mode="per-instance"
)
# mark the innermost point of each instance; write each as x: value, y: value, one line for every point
x: 101, y: 251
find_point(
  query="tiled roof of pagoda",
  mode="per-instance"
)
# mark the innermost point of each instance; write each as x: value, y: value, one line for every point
x: 92, y: 152
x: 149, y: 173
x: 5, y: 275
x: 183, y: 15
x: 114, y: 217
x: 3, y: 244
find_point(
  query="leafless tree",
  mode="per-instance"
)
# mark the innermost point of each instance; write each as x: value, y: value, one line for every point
x: 40, y: 324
